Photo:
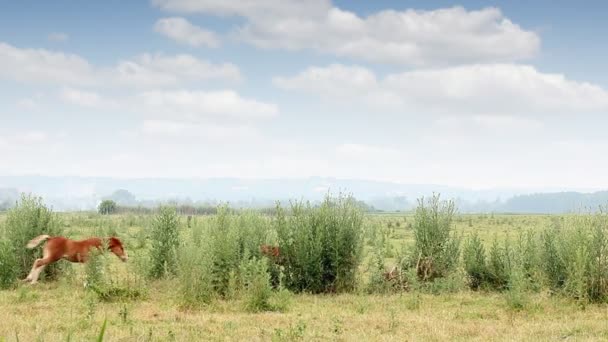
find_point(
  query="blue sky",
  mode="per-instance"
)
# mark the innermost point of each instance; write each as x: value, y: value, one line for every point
x: 476, y: 94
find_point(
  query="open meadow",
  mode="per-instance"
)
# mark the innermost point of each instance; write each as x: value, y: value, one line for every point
x: 303, y: 170
x: 215, y: 284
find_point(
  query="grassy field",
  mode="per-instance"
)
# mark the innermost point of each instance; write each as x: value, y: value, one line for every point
x: 64, y: 309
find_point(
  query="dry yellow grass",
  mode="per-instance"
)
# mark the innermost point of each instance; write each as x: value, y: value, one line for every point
x: 53, y: 312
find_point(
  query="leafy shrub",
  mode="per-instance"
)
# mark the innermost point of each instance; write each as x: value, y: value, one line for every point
x: 552, y: 263
x: 585, y: 254
x: 381, y: 280
x: 105, y: 288
x: 27, y: 220
x: 474, y: 257
x: 321, y: 246
x: 227, y: 248
x: 528, y: 260
x: 281, y: 300
x: 499, y: 265
x: 94, y: 270
x: 8, y: 265
x: 516, y: 294
x: 508, y: 268
x: 436, y: 248
x: 165, y: 243
x: 598, y: 263
x: 377, y: 281
x: 211, y: 262
x: 195, y: 275
x: 256, y: 285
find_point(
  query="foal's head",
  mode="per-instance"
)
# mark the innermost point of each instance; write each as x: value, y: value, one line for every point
x: 115, y: 246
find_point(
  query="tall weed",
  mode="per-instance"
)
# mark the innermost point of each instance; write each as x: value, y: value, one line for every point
x: 28, y: 219
x: 436, y: 247
x: 321, y: 246
x: 165, y: 243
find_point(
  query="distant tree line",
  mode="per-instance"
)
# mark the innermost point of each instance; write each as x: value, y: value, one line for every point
x: 108, y: 207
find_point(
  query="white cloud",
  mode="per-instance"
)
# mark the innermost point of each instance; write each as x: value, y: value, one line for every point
x: 44, y: 66
x: 27, y: 103
x: 22, y: 141
x: 342, y: 83
x: 366, y: 153
x: 40, y: 66
x: 149, y: 70
x: 334, y: 80
x: 410, y: 37
x: 181, y: 30
x: 32, y: 137
x: 81, y: 98
x: 492, y: 89
x: 489, y: 122
x: 225, y: 105
x: 183, y: 113
x: 497, y: 87
x: 58, y: 37
x: 248, y: 8
x: 176, y: 131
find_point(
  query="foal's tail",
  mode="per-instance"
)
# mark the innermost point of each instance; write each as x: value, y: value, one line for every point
x: 36, y: 241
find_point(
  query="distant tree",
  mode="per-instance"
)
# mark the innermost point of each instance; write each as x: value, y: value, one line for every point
x: 364, y: 206
x: 5, y: 205
x: 123, y: 197
x: 8, y: 197
x: 107, y: 207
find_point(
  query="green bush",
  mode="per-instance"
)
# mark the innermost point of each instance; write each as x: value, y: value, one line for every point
x: 499, y: 265
x: 474, y: 258
x: 321, y: 246
x: 195, y: 275
x: 105, y: 286
x: 598, y: 263
x: 281, y: 300
x: 8, y: 265
x: 377, y: 281
x: 165, y: 243
x: 528, y: 260
x: 257, y: 290
x: 211, y: 262
x: 107, y: 207
x: 585, y: 254
x: 517, y: 295
x: 436, y: 248
x: 27, y: 220
x: 94, y: 270
x: 227, y: 247
x: 516, y: 269
x: 551, y: 260
x: 381, y: 281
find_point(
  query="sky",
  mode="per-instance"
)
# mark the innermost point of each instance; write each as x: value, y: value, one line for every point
x: 478, y: 94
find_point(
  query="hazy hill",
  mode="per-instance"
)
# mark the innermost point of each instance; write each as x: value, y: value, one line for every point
x: 559, y: 202
x: 81, y: 193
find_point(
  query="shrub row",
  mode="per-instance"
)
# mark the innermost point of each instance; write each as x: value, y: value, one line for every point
x: 569, y: 258
x: 320, y: 251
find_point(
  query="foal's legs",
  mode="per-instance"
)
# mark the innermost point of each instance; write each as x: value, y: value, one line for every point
x: 29, y: 276
x: 39, y: 265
